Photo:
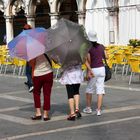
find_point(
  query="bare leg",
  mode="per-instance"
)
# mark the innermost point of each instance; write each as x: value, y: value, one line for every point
x: 71, y: 105
x: 99, y: 102
x: 38, y: 112
x: 88, y: 99
x: 37, y: 115
x: 77, y: 100
x: 71, y: 116
x: 46, y: 114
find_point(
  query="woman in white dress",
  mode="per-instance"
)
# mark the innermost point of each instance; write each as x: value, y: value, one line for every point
x: 72, y: 78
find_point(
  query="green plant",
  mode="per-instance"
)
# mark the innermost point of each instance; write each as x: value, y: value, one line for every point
x: 138, y: 42
x: 134, y: 42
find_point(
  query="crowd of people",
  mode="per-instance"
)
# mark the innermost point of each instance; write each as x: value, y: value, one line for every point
x: 40, y: 75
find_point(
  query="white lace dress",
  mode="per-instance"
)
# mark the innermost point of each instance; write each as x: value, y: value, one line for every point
x: 72, y: 75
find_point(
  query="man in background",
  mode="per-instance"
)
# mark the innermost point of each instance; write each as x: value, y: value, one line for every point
x: 29, y: 82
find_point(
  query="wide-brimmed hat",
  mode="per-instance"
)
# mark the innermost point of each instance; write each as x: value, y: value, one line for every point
x: 27, y: 26
x: 92, y: 36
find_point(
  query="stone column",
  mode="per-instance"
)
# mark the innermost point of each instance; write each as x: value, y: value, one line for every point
x: 113, y: 24
x: 81, y: 17
x: 111, y: 29
x: 9, y: 28
x: 54, y: 17
x: 31, y: 20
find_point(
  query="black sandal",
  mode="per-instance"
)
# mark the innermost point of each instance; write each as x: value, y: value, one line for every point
x: 78, y: 114
x: 46, y: 118
x: 71, y: 117
x: 36, y: 117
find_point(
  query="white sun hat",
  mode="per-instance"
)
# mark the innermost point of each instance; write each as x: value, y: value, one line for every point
x: 92, y: 36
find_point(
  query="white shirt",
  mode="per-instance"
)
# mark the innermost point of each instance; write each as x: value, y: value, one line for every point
x: 42, y: 66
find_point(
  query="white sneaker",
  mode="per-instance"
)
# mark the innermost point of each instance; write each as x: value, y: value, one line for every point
x: 31, y: 89
x: 87, y: 110
x: 98, y: 112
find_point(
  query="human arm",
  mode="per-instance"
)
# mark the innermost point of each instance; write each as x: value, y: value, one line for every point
x: 89, y: 69
x: 105, y: 54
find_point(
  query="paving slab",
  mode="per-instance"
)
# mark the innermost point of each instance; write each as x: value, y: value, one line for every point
x: 120, y: 119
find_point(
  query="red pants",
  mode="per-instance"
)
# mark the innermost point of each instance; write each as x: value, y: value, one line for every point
x: 45, y: 81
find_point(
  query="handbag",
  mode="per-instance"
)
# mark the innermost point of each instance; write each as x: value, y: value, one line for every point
x: 108, y: 72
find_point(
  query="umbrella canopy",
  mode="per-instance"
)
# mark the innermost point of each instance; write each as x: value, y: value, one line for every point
x: 67, y: 43
x: 28, y: 44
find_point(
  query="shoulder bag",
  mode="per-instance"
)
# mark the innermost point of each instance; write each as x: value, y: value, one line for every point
x: 108, y: 72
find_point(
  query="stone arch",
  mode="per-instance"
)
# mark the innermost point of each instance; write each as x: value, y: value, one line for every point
x: 68, y: 9
x: 30, y: 7
x: 57, y: 5
x: 19, y: 18
x: 8, y: 6
x: 1, y: 6
x: 81, y: 4
x: 2, y: 24
x: 42, y: 14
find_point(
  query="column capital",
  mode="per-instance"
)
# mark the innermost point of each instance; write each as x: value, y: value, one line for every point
x: 54, y: 14
x: 80, y: 12
x: 113, y: 10
x: 8, y: 17
x: 54, y: 17
x: 81, y: 15
x: 31, y: 20
x: 52, y: 1
x: 30, y: 16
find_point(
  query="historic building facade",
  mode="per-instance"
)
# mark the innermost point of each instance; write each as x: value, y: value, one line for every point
x: 115, y: 21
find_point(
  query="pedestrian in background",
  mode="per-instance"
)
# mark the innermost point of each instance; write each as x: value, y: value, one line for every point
x: 28, y: 72
x: 95, y: 74
x: 72, y: 78
x: 42, y: 78
x: 5, y: 39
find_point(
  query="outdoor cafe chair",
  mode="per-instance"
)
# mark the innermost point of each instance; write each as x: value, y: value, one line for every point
x: 6, y: 63
x: 120, y: 61
x: 19, y: 65
x: 56, y: 67
x: 135, y: 67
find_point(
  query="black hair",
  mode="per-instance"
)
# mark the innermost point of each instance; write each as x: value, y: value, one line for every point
x: 95, y: 44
